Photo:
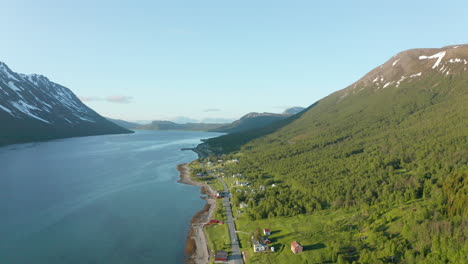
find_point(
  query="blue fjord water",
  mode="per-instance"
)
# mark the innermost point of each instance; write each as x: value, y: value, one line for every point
x: 102, y: 199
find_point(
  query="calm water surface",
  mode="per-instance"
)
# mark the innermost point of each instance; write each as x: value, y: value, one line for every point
x: 103, y: 199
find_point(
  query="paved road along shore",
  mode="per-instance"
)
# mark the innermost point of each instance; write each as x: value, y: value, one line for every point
x: 236, y: 256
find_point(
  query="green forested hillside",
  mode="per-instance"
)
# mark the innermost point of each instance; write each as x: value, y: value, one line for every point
x: 397, y: 154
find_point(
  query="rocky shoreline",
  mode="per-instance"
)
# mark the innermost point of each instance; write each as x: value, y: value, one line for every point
x: 197, y: 251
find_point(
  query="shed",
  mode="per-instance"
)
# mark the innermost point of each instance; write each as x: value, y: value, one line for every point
x: 267, y: 231
x: 296, y: 247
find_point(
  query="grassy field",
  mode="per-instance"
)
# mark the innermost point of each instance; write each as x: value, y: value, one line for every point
x: 310, y: 231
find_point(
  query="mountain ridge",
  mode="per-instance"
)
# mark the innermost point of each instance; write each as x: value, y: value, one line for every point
x: 33, y: 108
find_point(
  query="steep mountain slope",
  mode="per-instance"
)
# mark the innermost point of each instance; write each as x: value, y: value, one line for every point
x: 392, y: 148
x: 168, y: 125
x: 34, y: 108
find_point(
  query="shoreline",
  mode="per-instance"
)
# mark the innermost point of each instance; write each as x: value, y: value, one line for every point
x: 197, y: 250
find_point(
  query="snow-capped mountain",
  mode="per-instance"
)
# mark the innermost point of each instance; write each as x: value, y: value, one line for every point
x: 412, y: 66
x: 34, y: 108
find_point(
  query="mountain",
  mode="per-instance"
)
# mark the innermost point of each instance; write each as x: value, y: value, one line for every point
x: 168, y: 125
x: 123, y: 123
x: 378, y: 171
x: 183, y: 120
x: 250, y: 121
x: 293, y: 110
x: 253, y: 121
x: 34, y: 108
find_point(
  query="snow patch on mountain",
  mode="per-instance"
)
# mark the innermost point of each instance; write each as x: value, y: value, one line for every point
x: 14, y: 87
x: 4, y: 69
x: 6, y: 109
x: 25, y: 108
x: 437, y: 56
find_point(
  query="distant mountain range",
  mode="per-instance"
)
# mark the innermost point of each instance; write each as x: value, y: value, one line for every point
x: 247, y: 122
x: 34, y: 108
x: 123, y: 123
x: 169, y: 125
x: 254, y: 120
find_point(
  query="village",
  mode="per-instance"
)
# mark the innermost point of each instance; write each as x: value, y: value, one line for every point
x: 229, y: 245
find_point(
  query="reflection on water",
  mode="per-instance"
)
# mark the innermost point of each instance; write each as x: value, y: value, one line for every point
x: 104, y: 199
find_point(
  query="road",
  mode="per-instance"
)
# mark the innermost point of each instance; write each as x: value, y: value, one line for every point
x: 236, y: 256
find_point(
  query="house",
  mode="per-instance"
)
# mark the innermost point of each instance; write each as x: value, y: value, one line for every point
x: 221, y: 256
x: 243, y: 205
x: 262, y: 188
x: 296, y: 247
x: 259, y: 247
x: 242, y: 184
x: 266, y: 232
x: 273, y: 185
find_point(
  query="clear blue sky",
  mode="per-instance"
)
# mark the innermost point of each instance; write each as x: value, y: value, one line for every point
x: 143, y: 60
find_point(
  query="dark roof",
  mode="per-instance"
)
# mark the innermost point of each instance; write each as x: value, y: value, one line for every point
x: 221, y: 255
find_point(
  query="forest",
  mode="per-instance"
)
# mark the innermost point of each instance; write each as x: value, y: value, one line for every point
x: 398, y: 157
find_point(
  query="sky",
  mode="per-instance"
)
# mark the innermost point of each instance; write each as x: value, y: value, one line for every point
x: 158, y: 60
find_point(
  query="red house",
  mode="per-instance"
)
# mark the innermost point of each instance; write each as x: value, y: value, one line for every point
x: 296, y: 247
x: 221, y: 256
x: 265, y: 240
x: 267, y: 232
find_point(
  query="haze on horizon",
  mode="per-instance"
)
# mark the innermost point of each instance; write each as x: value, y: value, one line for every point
x: 212, y: 59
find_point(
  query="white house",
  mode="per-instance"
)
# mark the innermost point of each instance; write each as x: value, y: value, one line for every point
x: 258, y: 247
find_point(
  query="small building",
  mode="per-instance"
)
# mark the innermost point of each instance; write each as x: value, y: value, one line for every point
x: 243, y: 205
x: 296, y: 247
x: 265, y: 240
x: 221, y: 256
x: 267, y: 231
x: 262, y: 188
x: 272, y: 249
x: 273, y: 185
x: 259, y: 247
